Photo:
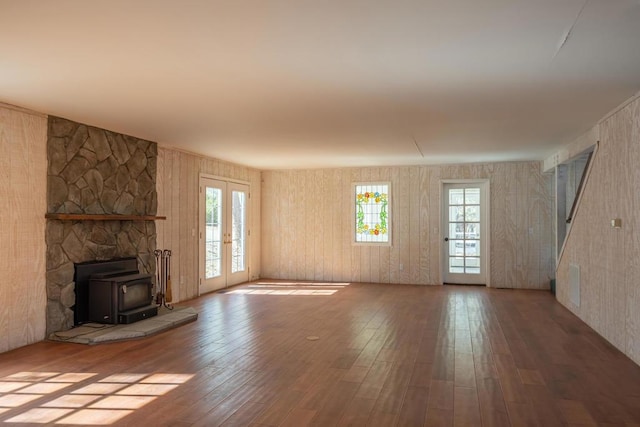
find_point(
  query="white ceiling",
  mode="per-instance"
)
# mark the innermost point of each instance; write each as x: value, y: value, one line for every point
x: 300, y: 84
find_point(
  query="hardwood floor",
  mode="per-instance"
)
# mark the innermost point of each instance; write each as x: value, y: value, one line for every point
x: 385, y: 355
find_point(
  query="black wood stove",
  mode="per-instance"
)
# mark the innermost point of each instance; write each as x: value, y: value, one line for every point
x: 113, y: 292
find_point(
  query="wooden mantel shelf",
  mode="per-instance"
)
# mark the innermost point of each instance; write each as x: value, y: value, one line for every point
x: 102, y: 217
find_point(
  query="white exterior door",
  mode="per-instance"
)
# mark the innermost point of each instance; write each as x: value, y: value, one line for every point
x: 223, y: 234
x: 465, y: 229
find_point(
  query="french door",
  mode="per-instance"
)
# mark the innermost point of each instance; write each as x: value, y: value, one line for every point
x: 223, y: 234
x: 465, y: 229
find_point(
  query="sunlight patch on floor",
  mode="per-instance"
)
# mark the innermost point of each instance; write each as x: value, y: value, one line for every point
x: 123, y: 402
x: 43, y: 388
x: 7, y: 386
x: 15, y: 400
x: 289, y: 288
x: 71, y: 401
x: 101, y: 402
x: 40, y: 415
x: 147, y: 389
x: 87, y: 417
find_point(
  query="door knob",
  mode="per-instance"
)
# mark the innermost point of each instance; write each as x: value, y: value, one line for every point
x: 446, y: 239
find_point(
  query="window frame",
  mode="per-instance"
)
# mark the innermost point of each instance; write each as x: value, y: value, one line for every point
x: 353, y: 231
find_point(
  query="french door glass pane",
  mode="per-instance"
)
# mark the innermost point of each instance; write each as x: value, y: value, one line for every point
x: 472, y: 247
x: 456, y: 264
x: 472, y: 213
x: 238, y: 214
x: 456, y: 196
x: 472, y: 230
x: 213, y: 232
x: 456, y: 247
x: 472, y: 196
x: 472, y: 262
x: 456, y: 230
x: 456, y: 213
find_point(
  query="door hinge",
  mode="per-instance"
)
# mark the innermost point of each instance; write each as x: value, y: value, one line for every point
x: 200, y: 280
x: 200, y: 189
x: 248, y: 232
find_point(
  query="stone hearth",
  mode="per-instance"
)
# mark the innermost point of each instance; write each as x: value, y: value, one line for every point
x: 94, y: 171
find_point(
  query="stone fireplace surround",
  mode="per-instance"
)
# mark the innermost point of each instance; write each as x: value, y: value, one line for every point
x: 95, y: 171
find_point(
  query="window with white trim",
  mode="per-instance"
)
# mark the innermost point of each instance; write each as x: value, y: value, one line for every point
x: 372, y: 220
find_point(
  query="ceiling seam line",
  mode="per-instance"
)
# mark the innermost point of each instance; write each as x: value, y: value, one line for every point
x: 417, y: 146
x: 568, y: 33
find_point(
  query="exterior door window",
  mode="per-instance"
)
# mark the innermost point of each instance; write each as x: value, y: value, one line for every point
x: 464, y: 229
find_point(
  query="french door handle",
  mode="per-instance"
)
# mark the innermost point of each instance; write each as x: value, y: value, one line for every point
x: 446, y: 239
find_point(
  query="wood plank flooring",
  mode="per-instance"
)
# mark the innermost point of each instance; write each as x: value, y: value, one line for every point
x: 386, y: 355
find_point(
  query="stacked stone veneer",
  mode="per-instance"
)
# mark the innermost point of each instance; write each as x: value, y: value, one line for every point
x: 94, y: 171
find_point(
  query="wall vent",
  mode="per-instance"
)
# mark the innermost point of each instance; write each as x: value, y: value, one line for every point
x: 574, y: 284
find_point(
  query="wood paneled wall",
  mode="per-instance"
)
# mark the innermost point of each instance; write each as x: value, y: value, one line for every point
x: 23, y: 203
x: 177, y: 183
x: 609, y: 258
x: 306, y: 225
